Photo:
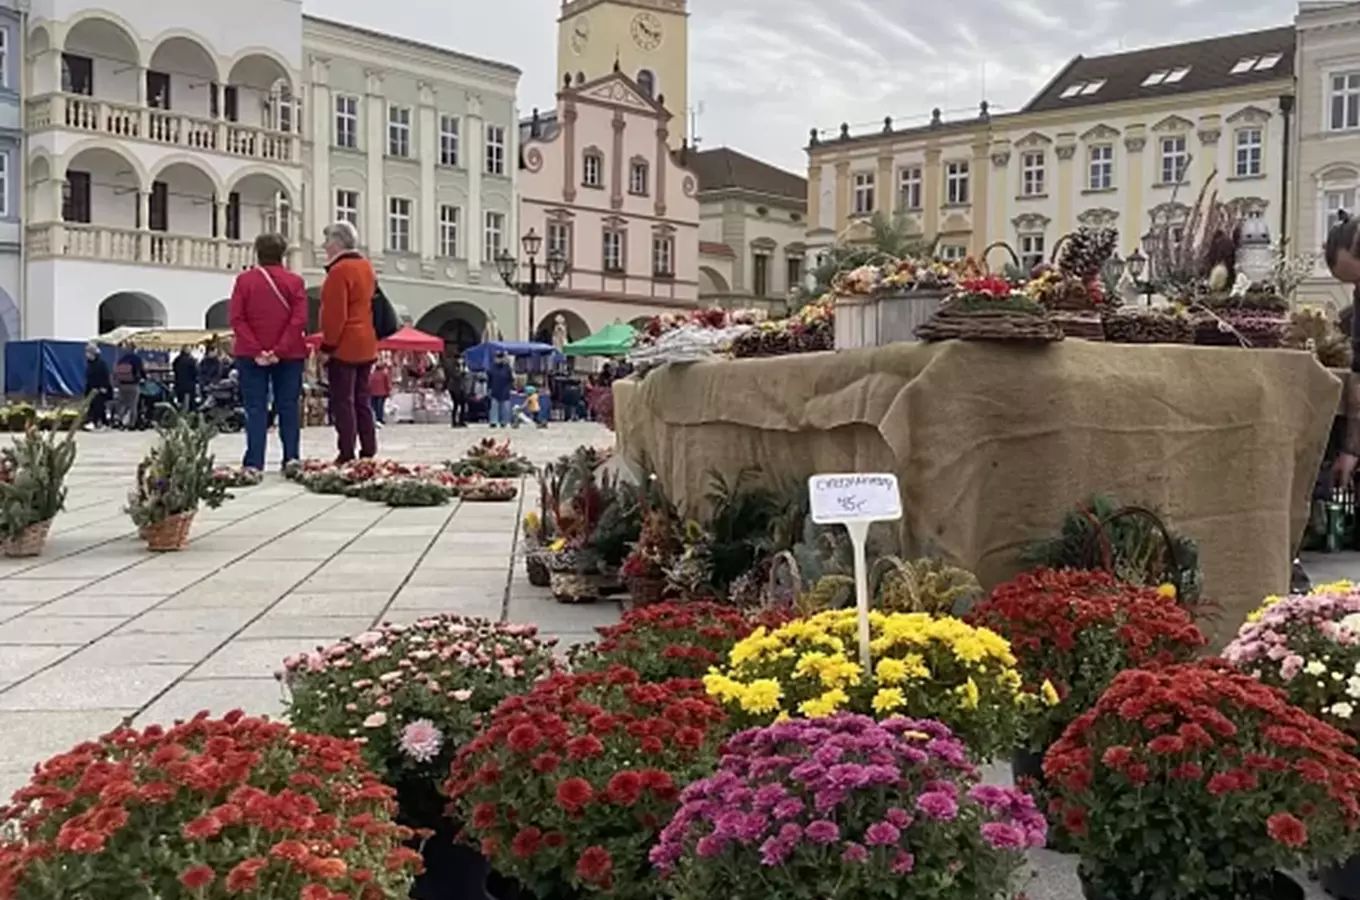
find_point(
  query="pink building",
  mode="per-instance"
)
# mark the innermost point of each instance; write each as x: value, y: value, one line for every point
x: 600, y: 183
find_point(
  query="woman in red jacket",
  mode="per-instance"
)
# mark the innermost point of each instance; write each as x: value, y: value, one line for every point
x: 269, y: 323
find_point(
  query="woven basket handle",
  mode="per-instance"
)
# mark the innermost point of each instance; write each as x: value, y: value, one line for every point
x: 1101, y: 538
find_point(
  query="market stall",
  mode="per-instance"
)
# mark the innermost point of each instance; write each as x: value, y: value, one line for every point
x: 612, y: 340
x: 992, y: 443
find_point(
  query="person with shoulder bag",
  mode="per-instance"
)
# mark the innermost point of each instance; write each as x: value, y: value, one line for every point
x: 349, y: 340
x: 269, y: 327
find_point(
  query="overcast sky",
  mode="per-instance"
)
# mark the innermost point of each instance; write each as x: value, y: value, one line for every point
x: 766, y: 71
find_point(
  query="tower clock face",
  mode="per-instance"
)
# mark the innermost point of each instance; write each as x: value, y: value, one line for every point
x: 646, y: 30
x: 580, y: 35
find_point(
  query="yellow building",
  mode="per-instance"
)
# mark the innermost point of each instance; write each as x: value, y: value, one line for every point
x: 1124, y: 140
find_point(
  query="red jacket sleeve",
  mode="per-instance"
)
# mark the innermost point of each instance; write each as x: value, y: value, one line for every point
x: 334, y: 309
x: 236, y: 309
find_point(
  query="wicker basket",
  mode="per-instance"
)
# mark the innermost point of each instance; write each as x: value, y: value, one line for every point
x: 28, y: 542
x: 644, y: 590
x: 536, y: 567
x: 572, y: 587
x: 168, y: 535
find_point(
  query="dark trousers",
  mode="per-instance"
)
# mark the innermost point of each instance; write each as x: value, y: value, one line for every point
x: 99, y: 408
x: 379, y: 409
x: 460, y: 410
x: 284, y: 381
x: 351, y: 409
x: 184, y: 397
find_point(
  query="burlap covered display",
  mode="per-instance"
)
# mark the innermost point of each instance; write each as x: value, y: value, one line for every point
x: 994, y: 443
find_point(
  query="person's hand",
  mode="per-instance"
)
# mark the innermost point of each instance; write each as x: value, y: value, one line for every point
x: 1343, y: 469
x: 264, y: 359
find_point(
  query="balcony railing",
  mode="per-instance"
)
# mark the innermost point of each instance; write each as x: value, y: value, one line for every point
x: 80, y: 113
x: 132, y: 246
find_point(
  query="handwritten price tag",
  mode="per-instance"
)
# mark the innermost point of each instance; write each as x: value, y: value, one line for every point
x: 854, y: 498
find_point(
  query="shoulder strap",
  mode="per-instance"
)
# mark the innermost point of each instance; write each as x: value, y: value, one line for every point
x: 277, y: 293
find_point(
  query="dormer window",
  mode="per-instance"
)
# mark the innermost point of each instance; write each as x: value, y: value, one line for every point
x: 646, y: 82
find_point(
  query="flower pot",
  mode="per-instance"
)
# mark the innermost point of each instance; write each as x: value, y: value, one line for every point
x: 28, y: 542
x: 1027, y: 772
x: 571, y: 587
x: 536, y: 566
x: 169, y: 534
x: 453, y: 871
x: 1027, y: 765
x: 1342, y: 881
x: 644, y: 590
x: 1277, y: 886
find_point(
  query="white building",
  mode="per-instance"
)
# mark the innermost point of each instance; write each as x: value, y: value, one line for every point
x: 155, y: 156
x: 11, y: 142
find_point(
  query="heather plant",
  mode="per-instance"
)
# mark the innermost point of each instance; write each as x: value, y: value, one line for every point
x: 177, y: 474
x: 33, y: 478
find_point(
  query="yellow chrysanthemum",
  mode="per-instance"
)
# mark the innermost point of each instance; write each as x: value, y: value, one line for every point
x: 888, y: 699
x: 761, y: 696
x: 1167, y: 590
x: 890, y: 671
x: 825, y: 705
x: 1049, y: 693
x: 969, y: 695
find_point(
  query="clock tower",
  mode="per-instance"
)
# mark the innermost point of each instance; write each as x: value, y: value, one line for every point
x: 649, y: 39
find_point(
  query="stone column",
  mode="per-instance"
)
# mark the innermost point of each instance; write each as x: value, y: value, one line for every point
x: 1064, y: 149
x: 374, y: 234
x: 322, y: 197
x: 981, y: 173
x: 1210, y: 130
x: 886, y: 201
x: 474, y: 146
x: 1135, y: 142
x: 932, y: 186
x: 842, y: 195
x: 427, y: 151
x: 1001, y: 161
x: 663, y: 152
x: 616, y: 170
x: 814, y: 196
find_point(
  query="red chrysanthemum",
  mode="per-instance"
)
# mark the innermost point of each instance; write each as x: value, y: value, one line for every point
x: 526, y: 842
x: 199, y: 876
x: 595, y: 865
x: 574, y: 793
x: 1287, y: 829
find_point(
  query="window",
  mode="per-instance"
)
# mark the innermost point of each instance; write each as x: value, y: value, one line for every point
x: 75, y: 197
x: 347, y: 122
x: 646, y: 82
x: 864, y: 193
x: 493, y: 238
x: 793, y: 271
x: 229, y: 101
x: 956, y: 183
x: 663, y: 256
x: 909, y: 188
x: 1032, y: 173
x: 399, y: 131
x: 1345, y: 101
x: 637, y: 178
x: 1335, y: 201
x: 760, y: 274
x: 157, y: 89
x: 278, y: 218
x: 1081, y: 89
x: 495, y: 150
x: 1173, y: 159
x: 158, y: 207
x: 559, y: 239
x: 1256, y: 63
x: 448, y: 140
x: 279, y: 112
x: 399, y: 224
x: 448, y: 231
x: 4, y: 184
x: 1100, y: 167
x: 347, y: 206
x: 953, y: 252
x: 1031, y: 251
x: 1166, y: 76
x: 4, y: 57
x: 613, y: 250
x: 233, y: 216
x: 592, y: 170
x: 77, y: 74
x: 1247, y: 145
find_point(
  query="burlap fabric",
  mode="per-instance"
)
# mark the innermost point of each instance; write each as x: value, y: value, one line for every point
x: 994, y: 443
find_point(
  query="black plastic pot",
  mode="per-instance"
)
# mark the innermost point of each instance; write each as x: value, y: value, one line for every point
x: 1027, y: 771
x: 453, y: 871
x: 1027, y: 764
x: 1342, y: 881
x: 1278, y: 886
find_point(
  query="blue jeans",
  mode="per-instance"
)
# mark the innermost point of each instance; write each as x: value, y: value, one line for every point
x: 499, y: 412
x: 379, y: 405
x: 284, y: 381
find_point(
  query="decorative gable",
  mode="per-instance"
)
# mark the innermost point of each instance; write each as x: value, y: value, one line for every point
x: 1027, y: 223
x: 1100, y: 133
x: 1174, y: 124
x: 1099, y: 217
x: 1169, y: 213
x: 617, y: 90
x: 1250, y: 115
x: 1034, y: 139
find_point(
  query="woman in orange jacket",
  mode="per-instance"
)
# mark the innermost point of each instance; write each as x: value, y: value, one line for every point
x: 348, y: 340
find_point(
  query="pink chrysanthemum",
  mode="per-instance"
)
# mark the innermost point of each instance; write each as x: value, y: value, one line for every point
x: 421, y: 740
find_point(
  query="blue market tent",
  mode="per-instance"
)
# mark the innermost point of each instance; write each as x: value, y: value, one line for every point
x: 43, y: 368
x: 478, y: 358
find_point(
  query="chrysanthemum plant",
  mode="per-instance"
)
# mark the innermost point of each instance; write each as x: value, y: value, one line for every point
x: 567, y: 787
x: 1194, y: 780
x: 924, y: 666
x: 413, y: 693
x: 845, y: 807
x: 1072, y: 631
x: 1308, y: 646
x: 231, y: 807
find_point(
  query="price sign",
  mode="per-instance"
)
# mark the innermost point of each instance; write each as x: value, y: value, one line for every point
x: 840, y: 499
x: 856, y: 500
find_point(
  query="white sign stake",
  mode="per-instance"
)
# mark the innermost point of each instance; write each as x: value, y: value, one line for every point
x: 856, y: 501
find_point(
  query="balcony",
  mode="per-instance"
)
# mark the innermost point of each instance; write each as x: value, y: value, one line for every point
x: 120, y: 120
x: 130, y: 246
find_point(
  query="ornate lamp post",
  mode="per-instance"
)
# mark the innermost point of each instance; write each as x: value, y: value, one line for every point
x: 541, y: 281
x: 1137, y: 262
x: 1255, y: 256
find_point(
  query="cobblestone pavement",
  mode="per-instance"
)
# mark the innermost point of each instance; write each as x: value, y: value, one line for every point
x: 98, y: 629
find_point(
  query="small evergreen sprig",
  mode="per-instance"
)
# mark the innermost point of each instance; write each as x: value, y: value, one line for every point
x: 33, y: 477
x: 176, y: 475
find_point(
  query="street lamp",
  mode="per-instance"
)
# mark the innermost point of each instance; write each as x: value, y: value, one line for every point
x: 539, y: 283
x: 1137, y: 262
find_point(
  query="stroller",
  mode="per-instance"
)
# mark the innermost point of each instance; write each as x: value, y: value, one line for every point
x: 151, y: 396
x: 222, y: 405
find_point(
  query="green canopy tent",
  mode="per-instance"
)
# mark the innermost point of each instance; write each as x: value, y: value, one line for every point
x: 611, y: 340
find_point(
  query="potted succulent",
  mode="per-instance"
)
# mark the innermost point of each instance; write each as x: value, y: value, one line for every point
x: 33, y: 488
x: 236, y: 806
x: 1309, y: 647
x: 567, y: 787
x: 1071, y: 632
x: 414, y: 694
x: 1195, y: 781
x: 173, y: 480
x: 846, y: 807
x: 925, y: 666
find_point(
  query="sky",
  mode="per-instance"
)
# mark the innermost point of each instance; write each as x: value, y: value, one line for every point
x: 767, y: 71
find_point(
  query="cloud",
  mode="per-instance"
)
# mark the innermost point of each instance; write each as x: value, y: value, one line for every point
x: 766, y: 71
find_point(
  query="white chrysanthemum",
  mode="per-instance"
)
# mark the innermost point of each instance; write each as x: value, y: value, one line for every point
x: 1315, y: 667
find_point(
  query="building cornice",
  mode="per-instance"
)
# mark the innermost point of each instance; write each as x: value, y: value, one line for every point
x: 732, y: 192
x: 321, y: 37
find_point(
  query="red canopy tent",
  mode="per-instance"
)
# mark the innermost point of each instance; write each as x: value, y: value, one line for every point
x: 406, y: 339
